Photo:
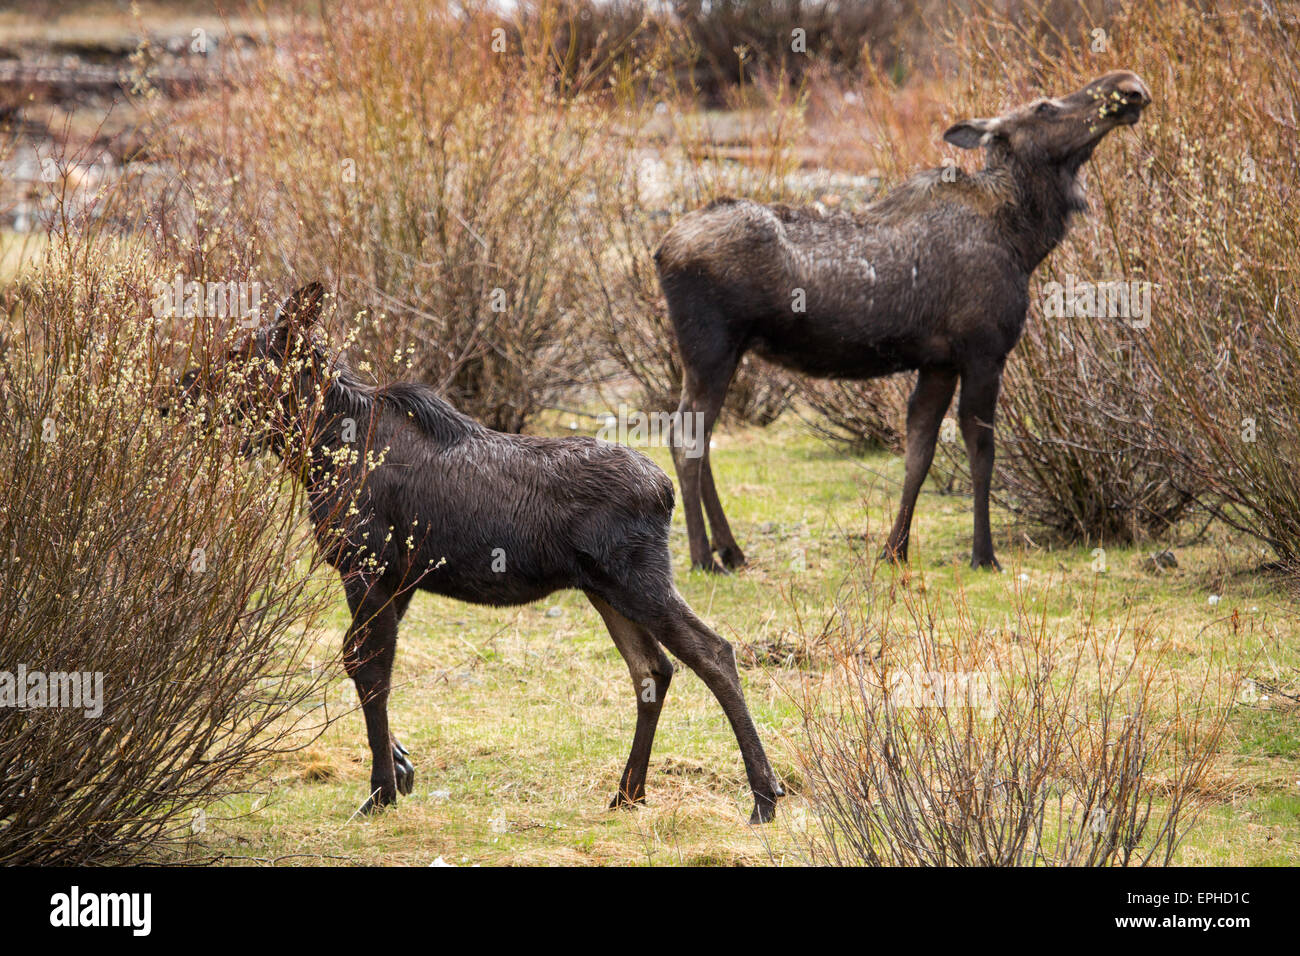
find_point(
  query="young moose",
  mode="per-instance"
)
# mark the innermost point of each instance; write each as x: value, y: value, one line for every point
x: 457, y: 509
x: 933, y: 277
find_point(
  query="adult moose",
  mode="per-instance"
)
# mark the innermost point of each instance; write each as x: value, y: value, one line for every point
x: 457, y: 509
x: 933, y: 277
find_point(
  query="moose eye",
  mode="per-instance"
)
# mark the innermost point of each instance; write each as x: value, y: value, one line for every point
x: 1045, y: 108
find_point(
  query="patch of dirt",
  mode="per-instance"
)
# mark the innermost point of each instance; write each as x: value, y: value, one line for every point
x: 785, y: 650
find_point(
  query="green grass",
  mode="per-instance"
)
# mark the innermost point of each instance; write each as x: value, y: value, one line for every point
x: 519, y: 719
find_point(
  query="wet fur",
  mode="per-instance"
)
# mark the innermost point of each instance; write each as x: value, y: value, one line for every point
x: 457, y: 509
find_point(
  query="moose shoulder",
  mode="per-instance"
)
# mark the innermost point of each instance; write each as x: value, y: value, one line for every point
x: 934, y: 277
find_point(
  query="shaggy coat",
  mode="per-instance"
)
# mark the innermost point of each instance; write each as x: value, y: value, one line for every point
x: 933, y: 277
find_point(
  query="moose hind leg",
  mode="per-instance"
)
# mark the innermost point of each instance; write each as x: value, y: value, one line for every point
x: 651, y: 672
x: 714, y: 660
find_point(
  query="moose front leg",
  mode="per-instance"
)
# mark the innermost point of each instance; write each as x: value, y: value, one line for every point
x: 402, y: 765
x: 368, y: 653
x: 976, y: 408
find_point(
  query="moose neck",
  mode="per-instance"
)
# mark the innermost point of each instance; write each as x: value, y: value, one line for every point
x: 310, y: 428
x: 1046, y: 195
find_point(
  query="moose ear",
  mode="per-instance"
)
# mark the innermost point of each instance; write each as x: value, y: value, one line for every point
x: 302, y: 308
x: 969, y: 134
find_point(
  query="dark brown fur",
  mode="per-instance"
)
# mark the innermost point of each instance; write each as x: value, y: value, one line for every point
x: 933, y: 277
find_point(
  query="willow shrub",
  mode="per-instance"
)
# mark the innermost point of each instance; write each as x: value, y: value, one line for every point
x: 931, y: 739
x: 142, y: 550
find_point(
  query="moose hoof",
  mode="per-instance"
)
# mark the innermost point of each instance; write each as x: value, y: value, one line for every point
x: 377, y: 802
x: 732, y: 557
x: 403, y: 769
x: 893, y: 556
x: 764, y: 809
x: 990, y: 564
x: 765, y: 803
x: 709, y: 567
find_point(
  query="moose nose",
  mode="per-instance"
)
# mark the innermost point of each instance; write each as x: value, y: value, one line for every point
x: 1133, y: 89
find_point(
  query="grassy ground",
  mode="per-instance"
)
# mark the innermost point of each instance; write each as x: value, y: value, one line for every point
x: 519, y: 719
